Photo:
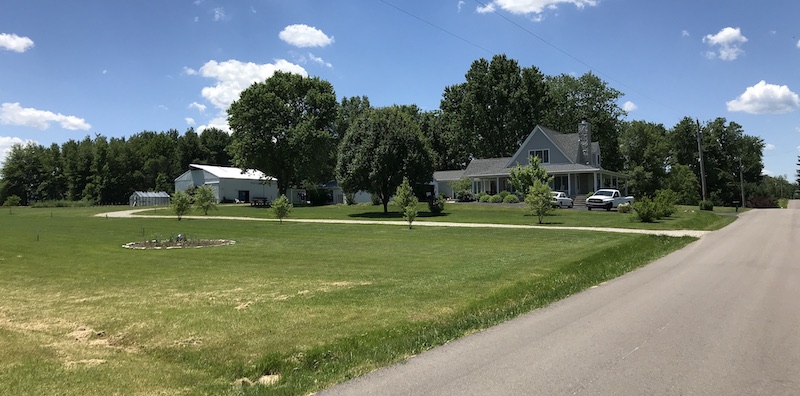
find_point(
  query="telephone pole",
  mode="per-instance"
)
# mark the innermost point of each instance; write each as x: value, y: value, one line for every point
x: 702, y: 166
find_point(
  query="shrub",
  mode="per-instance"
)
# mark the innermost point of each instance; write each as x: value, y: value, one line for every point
x: 465, y: 196
x: 204, y: 199
x: 511, y: 198
x: 281, y: 207
x: 783, y: 203
x: 589, y: 194
x: 436, y: 205
x: 181, y: 203
x: 665, y: 201
x: 504, y: 194
x: 410, y: 211
x: 349, y: 198
x: 706, y: 205
x: 539, y: 199
x: 646, y: 210
x: 762, y: 201
x: 484, y: 197
x: 624, y: 208
x: 495, y: 199
x: 481, y: 195
x: 376, y: 200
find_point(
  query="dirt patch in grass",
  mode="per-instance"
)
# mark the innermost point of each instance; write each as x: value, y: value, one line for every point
x: 178, y: 244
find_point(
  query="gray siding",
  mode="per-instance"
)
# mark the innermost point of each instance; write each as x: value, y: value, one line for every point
x: 538, y: 141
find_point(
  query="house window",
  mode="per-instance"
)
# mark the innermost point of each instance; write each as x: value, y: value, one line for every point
x: 544, y: 155
x: 597, y: 159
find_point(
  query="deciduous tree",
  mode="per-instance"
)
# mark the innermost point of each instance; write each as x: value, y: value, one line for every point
x: 379, y: 149
x: 283, y: 127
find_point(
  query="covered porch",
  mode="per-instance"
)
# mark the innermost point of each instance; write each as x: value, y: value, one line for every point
x: 572, y: 183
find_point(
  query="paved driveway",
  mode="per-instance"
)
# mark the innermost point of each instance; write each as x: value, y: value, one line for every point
x: 719, y: 317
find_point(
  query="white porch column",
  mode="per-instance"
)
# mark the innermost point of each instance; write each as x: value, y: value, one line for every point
x: 498, y: 184
x: 569, y: 185
x: 594, y: 176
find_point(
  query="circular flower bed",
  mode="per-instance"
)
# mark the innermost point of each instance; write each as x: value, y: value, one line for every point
x: 178, y: 244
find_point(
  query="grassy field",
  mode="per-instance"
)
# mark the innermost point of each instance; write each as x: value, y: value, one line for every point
x: 686, y: 217
x: 309, y: 304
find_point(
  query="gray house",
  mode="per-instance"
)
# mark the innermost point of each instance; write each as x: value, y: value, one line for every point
x: 572, y: 159
x: 229, y: 184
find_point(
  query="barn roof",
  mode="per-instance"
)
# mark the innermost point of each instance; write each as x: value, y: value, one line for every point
x: 224, y: 172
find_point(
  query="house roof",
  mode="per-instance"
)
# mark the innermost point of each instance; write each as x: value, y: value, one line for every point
x: 451, y: 175
x: 223, y: 172
x: 488, y: 167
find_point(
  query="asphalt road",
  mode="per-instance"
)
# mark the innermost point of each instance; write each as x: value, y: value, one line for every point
x: 719, y: 317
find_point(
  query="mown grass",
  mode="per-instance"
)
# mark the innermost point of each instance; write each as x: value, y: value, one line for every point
x: 314, y: 303
x: 686, y: 217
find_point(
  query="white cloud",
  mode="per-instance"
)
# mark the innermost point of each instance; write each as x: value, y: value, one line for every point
x: 685, y: 33
x: 6, y: 142
x: 527, y: 7
x: 233, y: 76
x: 460, y: 5
x: 162, y: 107
x: 727, y: 42
x: 14, y: 114
x: 305, y: 36
x: 220, y: 123
x: 767, y: 172
x: 319, y: 60
x: 798, y: 43
x: 485, y: 9
x: 189, y: 121
x: 629, y: 106
x: 15, y: 43
x: 769, y: 146
x: 764, y: 98
x: 199, y: 106
x: 219, y: 14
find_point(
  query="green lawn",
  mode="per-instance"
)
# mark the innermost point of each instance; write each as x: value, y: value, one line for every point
x: 313, y: 303
x: 686, y: 217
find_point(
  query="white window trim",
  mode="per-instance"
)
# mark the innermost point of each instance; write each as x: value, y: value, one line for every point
x: 531, y: 154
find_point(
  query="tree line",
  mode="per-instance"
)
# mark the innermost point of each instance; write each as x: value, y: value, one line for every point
x: 294, y: 128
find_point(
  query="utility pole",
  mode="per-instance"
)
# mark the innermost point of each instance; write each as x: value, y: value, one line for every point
x: 702, y: 166
x: 741, y: 178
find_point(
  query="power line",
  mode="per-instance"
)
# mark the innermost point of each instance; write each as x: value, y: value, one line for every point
x: 437, y: 27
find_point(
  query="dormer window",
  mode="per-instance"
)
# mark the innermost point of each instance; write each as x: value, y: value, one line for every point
x: 543, y: 155
x: 597, y: 159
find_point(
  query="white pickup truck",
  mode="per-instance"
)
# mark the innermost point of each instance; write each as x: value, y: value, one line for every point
x: 607, y: 199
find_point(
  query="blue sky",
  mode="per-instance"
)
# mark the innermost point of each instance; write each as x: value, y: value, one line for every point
x: 72, y: 69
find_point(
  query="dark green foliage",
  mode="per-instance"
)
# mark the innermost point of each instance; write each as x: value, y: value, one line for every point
x: 665, y: 201
x: 685, y: 183
x: 464, y: 196
x: 574, y: 99
x: 761, y: 201
x: 511, y: 198
x: 436, y: 205
x: 706, y: 205
x: 646, y: 210
x: 379, y: 149
x: 283, y: 127
x: 317, y: 196
x: 492, y: 112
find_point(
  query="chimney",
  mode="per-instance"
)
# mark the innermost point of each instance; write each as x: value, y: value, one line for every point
x: 585, y: 143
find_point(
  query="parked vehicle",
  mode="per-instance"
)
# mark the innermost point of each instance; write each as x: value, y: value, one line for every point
x: 561, y: 200
x: 607, y: 199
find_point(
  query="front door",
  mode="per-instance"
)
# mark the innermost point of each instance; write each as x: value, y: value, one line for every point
x: 244, y: 196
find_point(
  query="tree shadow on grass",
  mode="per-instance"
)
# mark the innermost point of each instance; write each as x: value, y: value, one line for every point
x: 393, y: 215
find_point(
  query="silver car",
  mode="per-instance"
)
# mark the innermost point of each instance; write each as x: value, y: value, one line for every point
x: 561, y: 199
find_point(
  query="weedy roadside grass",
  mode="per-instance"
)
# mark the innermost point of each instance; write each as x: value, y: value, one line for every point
x: 316, y: 304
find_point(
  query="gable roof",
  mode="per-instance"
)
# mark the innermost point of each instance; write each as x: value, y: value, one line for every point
x: 224, y: 172
x: 567, y: 143
x: 451, y: 175
x: 488, y: 167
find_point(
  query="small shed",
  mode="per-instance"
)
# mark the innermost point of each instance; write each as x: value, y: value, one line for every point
x: 148, y: 198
